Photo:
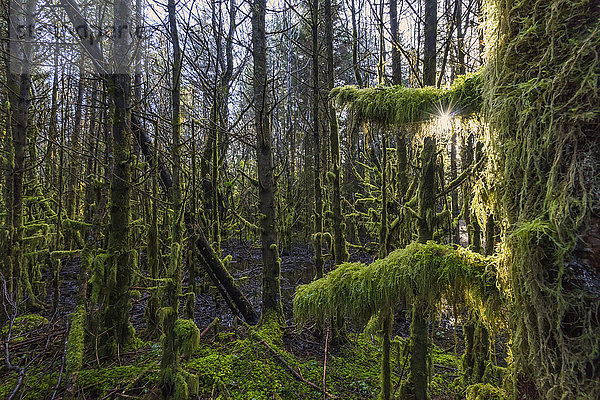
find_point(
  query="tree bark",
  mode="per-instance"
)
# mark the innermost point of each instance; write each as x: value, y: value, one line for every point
x: 271, y: 292
x: 429, y: 50
x: 396, y: 59
x: 339, y: 241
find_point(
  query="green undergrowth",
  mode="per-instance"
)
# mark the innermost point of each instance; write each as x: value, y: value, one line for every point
x: 138, y: 377
x: 250, y: 364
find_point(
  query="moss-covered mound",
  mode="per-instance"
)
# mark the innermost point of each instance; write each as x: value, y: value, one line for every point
x: 430, y: 273
x: 398, y: 105
x: 542, y: 100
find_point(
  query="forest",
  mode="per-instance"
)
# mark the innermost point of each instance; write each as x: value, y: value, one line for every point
x: 320, y: 199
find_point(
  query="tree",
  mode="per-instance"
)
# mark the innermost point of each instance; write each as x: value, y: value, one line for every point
x: 271, y: 292
x: 396, y: 60
x: 318, y: 211
x: 429, y: 49
x: 339, y: 241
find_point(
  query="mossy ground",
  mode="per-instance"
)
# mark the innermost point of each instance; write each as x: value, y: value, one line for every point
x: 236, y: 364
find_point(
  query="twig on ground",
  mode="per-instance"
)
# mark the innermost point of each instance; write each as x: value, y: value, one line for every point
x: 325, y: 363
x: 62, y: 365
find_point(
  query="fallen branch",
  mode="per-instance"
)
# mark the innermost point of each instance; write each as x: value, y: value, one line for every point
x: 293, y: 371
x: 325, y: 363
x: 211, y: 325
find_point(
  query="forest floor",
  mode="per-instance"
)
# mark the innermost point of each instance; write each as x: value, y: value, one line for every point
x: 233, y: 360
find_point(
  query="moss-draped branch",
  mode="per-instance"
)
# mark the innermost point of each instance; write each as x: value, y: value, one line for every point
x: 431, y: 273
x: 398, y: 105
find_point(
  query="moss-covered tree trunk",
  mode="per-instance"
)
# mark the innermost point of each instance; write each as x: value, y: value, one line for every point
x: 419, y: 332
x: 383, y: 228
x: 18, y: 85
x: 339, y: 241
x: 271, y: 291
x: 120, y: 330
x: 542, y: 99
x: 318, y: 191
x: 454, y: 206
x: 152, y: 250
x: 116, y: 320
x: 169, y: 313
x: 386, y: 370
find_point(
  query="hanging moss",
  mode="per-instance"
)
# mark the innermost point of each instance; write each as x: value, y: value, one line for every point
x: 430, y: 273
x: 398, y: 105
x: 541, y: 100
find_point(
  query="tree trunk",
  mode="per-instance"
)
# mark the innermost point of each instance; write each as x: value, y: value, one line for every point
x: 355, y: 62
x: 429, y: 50
x: 339, y: 241
x: 318, y: 212
x: 169, y: 366
x: 396, y: 60
x: 418, y: 382
x: 271, y: 292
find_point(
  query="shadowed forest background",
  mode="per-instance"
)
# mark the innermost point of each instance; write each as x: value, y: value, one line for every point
x: 353, y: 199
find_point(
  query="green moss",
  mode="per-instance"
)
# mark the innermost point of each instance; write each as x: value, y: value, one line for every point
x: 97, y: 278
x: 400, y: 105
x: 76, y: 340
x: 23, y: 325
x: 485, y: 391
x: 430, y: 272
x: 187, y: 335
x: 541, y: 101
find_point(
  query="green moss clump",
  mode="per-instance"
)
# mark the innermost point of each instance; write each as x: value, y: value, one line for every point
x: 23, y: 325
x: 541, y: 101
x: 188, y: 335
x: 485, y: 391
x: 97, y: 278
